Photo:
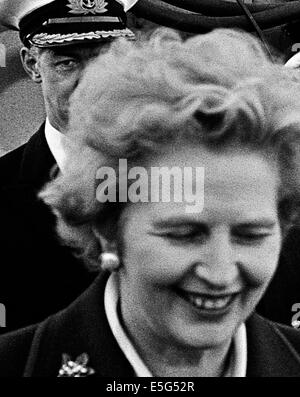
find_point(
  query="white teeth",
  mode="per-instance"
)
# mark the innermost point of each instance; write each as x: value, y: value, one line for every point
x: 198, y: 301
x: 209, y: 304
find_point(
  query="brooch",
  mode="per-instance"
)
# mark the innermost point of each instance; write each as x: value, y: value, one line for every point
x: 75, y: 369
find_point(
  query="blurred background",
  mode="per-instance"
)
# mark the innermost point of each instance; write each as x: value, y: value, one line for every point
x: 21, y: 101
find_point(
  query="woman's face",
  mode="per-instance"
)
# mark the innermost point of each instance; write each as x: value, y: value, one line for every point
x: 192, y: 278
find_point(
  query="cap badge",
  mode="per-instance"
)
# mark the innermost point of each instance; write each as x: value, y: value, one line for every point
x: 87, y: 7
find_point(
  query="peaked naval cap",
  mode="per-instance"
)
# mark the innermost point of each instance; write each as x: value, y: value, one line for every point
x: 65, y: 22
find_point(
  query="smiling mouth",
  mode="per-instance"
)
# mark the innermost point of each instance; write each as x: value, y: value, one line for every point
x: 208, y: 303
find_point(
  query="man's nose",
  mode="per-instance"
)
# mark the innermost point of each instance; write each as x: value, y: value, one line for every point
x: 217, y: 264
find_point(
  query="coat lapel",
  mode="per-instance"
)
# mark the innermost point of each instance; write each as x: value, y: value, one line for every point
x: 34, y: 171
x: 270, y: 354
x: 82, y: 328
x: 20, y: 197
x: 37, y: 161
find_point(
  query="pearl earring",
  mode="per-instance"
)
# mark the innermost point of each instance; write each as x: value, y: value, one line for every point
x: 109, y: 261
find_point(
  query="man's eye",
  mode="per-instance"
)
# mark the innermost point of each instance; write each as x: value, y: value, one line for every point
x: 67, y: 64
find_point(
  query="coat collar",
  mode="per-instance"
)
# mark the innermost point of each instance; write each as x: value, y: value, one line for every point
x: 83, y: 328
x: 37, y: 161
x: 270, y: 353
x: 34, y: 170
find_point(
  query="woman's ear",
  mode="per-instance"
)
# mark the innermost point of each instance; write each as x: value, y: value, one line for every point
x: 107, y: 244
x: 109, y: 258
x: 30, y: 62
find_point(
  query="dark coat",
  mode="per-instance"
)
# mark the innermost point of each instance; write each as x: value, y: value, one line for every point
x: 38, y: 276
x: 284, y: 290
x: 273, y: 350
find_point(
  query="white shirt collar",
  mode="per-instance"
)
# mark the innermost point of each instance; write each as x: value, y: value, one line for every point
x: 57, y: 143
x: 111, y: 297
x: 238, y: 364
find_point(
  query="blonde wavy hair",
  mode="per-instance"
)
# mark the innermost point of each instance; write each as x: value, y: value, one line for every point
x: 218, y: 90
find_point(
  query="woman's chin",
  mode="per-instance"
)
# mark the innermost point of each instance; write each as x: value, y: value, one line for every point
x: 204, y: 328
x: 204, y: 336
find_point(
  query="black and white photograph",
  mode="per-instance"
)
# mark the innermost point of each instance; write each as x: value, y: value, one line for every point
x: 150, y: 191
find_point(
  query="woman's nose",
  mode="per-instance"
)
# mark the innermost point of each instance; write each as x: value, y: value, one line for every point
x: 217, y: 264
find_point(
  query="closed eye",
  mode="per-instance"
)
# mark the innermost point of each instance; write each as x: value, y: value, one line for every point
x: 183, y: 235
x: 252, y: 238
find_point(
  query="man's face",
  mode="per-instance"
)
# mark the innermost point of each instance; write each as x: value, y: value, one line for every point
x: 59, y: 70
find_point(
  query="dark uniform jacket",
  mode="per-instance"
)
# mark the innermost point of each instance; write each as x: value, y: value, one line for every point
x: 38, y: 276
x: 37, y: 351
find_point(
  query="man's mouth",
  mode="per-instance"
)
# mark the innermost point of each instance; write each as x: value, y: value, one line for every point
x: 205, y: 302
